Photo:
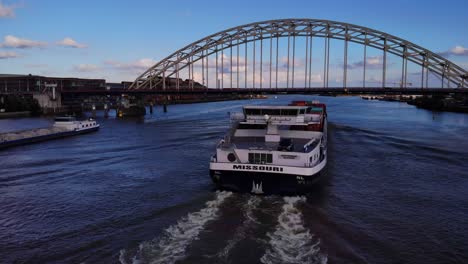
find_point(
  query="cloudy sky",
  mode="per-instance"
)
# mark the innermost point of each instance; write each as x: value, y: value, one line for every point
x: 118, y: 40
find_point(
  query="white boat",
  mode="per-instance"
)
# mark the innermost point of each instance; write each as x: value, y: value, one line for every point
x: 70, y: 123
x: 272, y: 149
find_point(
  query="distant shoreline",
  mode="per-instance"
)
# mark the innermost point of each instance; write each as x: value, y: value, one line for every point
x: 5, y: 115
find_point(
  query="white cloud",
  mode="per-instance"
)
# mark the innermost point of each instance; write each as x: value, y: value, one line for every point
x: 14, y: 42
x: 459, y: 50
x: 298, y: 62
x: 69, y: 42
x: 375, y: 62
x: 8, y: 55
x: 139, y: 65
x: 455, y: 51
x: 86, y: 68
x: 7, y: 11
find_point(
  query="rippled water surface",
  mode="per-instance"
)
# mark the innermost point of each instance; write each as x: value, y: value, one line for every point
x: 138, y: 191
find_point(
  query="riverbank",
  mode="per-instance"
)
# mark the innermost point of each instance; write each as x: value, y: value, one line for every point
x: 440, y: 103
x: 450, y: 103
x: 209, y: 100
x: 5, y: 115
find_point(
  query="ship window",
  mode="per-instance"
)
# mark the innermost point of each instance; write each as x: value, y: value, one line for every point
x: 290, y: 112
x: 271, y: 111
x: 253, y: 112
x: 257, y: 158
x: 260, y: 158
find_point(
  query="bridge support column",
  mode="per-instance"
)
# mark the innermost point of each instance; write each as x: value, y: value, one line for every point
x: 422, y: 71
x: 94, y: 110
x: 151, y: 107
x: 364, y: 62
x: 384, y: 66
x: 345, y: 64
x: 287, y: 66
x: 306, y: 61
x: 326, y: 61
x: 253, y: 64
x: 106, y: 111
x: 427, y: 77
x: 310, y: 60
x: 293, y: 59
x: 276, y: 60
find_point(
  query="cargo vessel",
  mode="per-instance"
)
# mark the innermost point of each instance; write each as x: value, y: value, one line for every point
x: 63, y: 127
x: 273, y: 149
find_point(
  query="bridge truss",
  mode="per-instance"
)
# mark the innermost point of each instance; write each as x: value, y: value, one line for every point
x: 194, y: 58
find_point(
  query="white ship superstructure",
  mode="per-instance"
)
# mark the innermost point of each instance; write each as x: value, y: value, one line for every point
x: 272, y: 149
x: 69, y: 123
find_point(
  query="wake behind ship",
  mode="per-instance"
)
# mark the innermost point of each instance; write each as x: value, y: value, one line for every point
x: 272, y: 149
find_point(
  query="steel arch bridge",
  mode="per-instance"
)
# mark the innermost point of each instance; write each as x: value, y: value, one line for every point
x: 194, y: 58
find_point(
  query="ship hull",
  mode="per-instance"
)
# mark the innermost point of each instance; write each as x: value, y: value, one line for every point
x: 36, y: 139
x: 266, y: 182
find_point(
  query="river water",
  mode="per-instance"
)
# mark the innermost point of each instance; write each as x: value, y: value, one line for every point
x: 138, y: 191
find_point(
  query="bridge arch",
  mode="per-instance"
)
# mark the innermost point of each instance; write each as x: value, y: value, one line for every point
x: 448, y: 72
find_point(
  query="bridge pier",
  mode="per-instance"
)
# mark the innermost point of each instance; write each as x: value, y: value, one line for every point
x: 106, y: 111
x: 93, y: 110
x: 131, y: 106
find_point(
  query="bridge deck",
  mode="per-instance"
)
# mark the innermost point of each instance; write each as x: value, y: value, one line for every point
x: 353, y: 90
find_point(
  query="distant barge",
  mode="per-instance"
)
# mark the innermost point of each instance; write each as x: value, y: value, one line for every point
x: 63, y: 127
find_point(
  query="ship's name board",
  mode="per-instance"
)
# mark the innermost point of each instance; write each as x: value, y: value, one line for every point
x: 256, y: 168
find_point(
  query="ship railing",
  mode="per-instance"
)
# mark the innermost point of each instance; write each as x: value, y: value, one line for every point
x: 226, y: 145
x: 307, y: 146
x: 262, y: 148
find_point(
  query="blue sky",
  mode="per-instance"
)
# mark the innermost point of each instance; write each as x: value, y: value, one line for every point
x: 116, y: 40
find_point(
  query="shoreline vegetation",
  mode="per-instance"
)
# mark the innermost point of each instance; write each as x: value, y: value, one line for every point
x: 19, y: 106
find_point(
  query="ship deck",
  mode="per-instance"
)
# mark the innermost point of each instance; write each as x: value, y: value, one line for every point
x: 259, y: 143
x: 30, y: 133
